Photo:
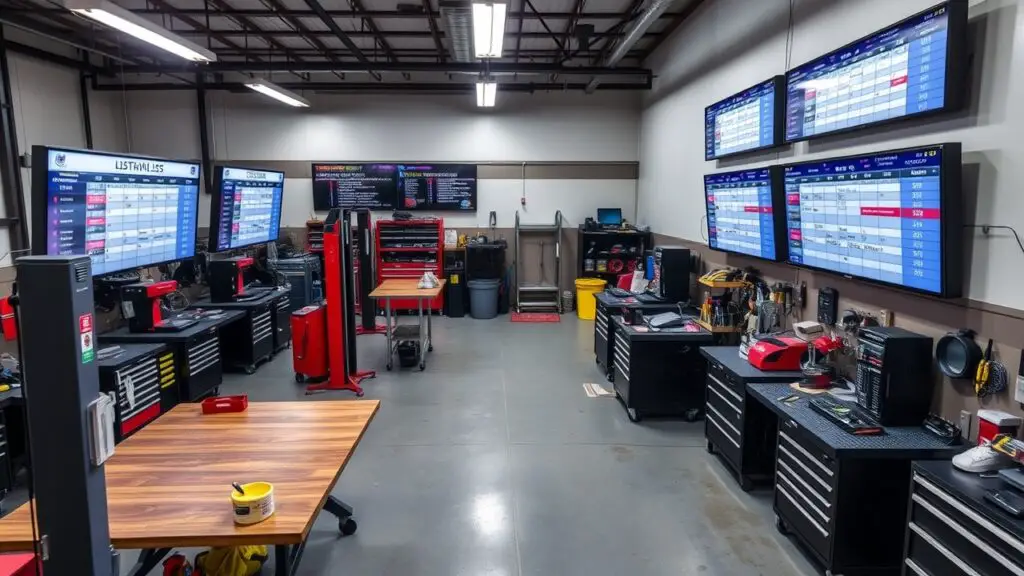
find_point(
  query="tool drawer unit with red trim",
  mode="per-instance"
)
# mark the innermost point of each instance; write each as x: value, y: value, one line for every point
x: 406, y: 249
x: 843, y: 496
x: 741, y: 431
x: 952, y: 529
x: 140, y: 377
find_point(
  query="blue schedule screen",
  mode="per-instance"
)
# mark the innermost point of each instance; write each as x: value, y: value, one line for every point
x: 898, y: 72
x: 250, y: 207
x: 876, y: 217
x: 740, y: 213
x: 740, y: 123
x: 124, y: 212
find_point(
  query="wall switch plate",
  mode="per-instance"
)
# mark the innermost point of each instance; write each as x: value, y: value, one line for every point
x: 965, y: 424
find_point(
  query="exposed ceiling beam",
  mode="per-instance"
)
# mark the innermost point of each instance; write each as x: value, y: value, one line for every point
x: 519, y: 33
x: 435, y: 32
x: 677, y: 20
x: 618, y: 28
x: 450, y: 67
x: 333, y: 26
x: 389, y: 34
x: 376, y: 14
x: 570, y: 25
x: 300, y: 27
x: 401, y: 52
x: 544, y: 23
x: 377, y: 87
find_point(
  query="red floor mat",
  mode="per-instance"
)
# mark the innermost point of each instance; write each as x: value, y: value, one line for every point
x: 538, y: 317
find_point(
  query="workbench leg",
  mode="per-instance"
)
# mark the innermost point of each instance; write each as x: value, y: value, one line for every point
x: 390, y: 332
x: 423, y: 334
x: 148, y: 560
x: 282, y: 560
x: 430, y: 334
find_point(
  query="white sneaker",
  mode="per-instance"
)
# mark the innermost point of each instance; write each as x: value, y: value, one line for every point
x: 981, y: 459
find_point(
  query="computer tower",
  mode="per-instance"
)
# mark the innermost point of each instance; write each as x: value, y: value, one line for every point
x: 672, y: 273
x: 894, y: 380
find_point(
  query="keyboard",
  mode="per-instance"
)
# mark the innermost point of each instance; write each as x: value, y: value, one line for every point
x: 665, y: 320
x: 619, y: 292
x: 847, y: 416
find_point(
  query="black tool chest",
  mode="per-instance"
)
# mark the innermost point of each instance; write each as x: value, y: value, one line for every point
x: 952, y: 529
x: 255, y: 338
x: 282, y: 322
x: 659, y: 373
x: 6, y: 474
x: 143, y: 381
x: 608, y: 307
x: 743, y: 433
x: 844, y: 497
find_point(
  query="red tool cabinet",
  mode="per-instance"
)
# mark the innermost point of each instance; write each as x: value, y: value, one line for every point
x: 407, y: 249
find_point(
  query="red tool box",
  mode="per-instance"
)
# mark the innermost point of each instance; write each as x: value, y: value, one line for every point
x: 406, y: 249
x: 309, y: 342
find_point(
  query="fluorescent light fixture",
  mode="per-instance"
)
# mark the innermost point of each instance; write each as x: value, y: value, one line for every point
x: 112, y: 15
x: 485, y: 93
x: 277, y: 93
x: 488, y: 29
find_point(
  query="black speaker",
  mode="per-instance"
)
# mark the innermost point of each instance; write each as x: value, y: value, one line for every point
x: 672, y: 272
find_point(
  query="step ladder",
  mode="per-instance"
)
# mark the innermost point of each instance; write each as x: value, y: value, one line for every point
x: 540, y: 296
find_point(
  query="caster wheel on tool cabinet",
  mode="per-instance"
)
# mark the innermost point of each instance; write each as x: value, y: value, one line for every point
x: 422, y: 366
x: 389, y: 366
x: 746, y: 484
x: 634, y: 416
x: 300, y: 378
x: 780, y: 525
x: 348, y: 526
x: 710, y: 447
x: 250, y: 369
x: 430, y: 348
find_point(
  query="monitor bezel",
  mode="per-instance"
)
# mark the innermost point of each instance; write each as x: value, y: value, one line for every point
x: 778, y: 224
x: 216, y: 203
x: 312, y: 184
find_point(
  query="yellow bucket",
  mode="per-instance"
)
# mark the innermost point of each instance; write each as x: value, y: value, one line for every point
x: 256, y: 505
x: 586, y: 304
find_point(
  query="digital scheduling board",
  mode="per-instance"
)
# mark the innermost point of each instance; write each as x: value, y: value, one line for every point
x: 744, y: 122
x: 890, y: 217
x: 912, y: 68
x: 246, y: 207
x: 125, y: 212
x: 742, y: 214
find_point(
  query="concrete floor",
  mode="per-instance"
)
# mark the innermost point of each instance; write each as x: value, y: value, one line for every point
x: 494, y: 462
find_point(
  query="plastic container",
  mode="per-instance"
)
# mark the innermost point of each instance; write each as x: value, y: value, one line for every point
x: 221, y: 404
x: 586, y: 304
x: 992, y: 423
x: 483, y: 298
x: 256, y: 505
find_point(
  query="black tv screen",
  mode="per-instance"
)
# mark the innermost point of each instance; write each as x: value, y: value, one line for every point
x: 745, y: 212
x: 437, y: 187
x: 124, y: 212
x: 246, y: 207
x: 891, y: 217
x: 370, y: 186
x: 747, y: 121
x: 909, y: 69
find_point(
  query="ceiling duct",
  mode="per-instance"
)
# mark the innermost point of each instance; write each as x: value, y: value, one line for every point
x: 650, y: 15
x: 458, y: 28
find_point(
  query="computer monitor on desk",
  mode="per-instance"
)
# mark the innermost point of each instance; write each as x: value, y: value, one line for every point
x: 609, y: 217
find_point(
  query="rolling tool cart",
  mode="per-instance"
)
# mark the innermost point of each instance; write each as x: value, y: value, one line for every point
x: 660, y: 373
x: 196, y: 351
x: 282, y: 321
x: 251, y: 342
x: 405, y: 250
x: 610, y: 306
x: 305, y: 275
x: 142, y: 378
x: 543, y: 295
x: 607, y: 253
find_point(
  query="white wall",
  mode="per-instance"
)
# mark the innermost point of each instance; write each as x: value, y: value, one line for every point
x: 522, y: 128
x: 47, y: 110
x: 732, y: 44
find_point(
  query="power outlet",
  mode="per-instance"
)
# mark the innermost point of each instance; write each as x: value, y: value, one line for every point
x: 965, y: 424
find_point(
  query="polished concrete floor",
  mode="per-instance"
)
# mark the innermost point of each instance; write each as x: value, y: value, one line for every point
x: 494, y: 462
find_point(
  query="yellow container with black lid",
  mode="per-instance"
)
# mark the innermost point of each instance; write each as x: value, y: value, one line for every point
x: 253, y: 502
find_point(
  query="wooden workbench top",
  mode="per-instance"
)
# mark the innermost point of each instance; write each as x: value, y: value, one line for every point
x: 405, y: 288
x: 169, y: 485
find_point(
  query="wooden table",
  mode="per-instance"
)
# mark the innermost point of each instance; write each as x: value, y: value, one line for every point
x: 169, y: 485
x: 404, y: 289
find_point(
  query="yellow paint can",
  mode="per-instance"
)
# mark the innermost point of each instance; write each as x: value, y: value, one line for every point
x: 256, y: 505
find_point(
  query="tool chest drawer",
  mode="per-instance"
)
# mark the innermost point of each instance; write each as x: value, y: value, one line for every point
x: 948, y: 535
x: 142, y: 380
x: 202, y: 370
x: 724, y: 378
x: 724, y: 413
x: 282, y: 323
x: 806, y: 482
x: 621, y: 355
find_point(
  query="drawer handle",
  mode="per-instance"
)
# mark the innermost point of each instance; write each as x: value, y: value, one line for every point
x: 968, y: 536
x: 791, y: 486
x: 783, y: 450
x: 915, y: 568
x: 807, y: 487
x: 714, y: 422
x: 999, y: 532
x: 726, y: 400
x: 799, y: 508
x: 727, y: 389
x: 724, y: 421
x: 943, y: 550
x: 806, y: 453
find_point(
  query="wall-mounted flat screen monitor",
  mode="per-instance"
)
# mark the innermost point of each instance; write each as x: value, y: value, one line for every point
x: 912, y: 68
x: 343, y: 185
x: 891, y: 217
x: 123, y: 211
x: 437, y: 187
x: 245, y: 208
x: 747, y: 121
x: 744, y: 212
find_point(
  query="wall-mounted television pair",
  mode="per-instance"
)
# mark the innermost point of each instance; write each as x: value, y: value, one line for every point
x: 914, y: 67
x: 890, y: 217
x: 406, y: 186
